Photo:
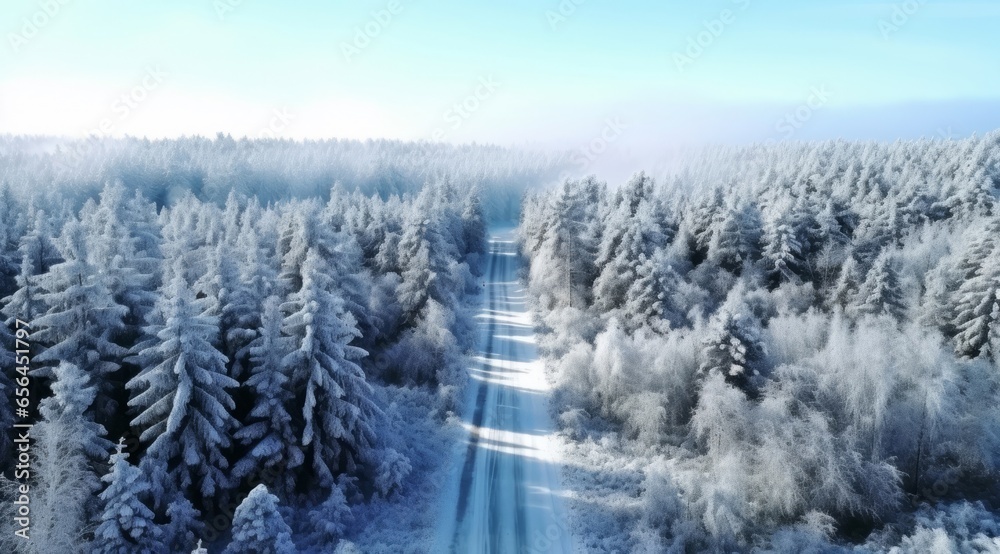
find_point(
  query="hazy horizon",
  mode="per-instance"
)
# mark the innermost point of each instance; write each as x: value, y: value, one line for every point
x: 553, y: 75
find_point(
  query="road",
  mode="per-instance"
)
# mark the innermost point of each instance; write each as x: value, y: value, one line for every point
x: 506, y: 497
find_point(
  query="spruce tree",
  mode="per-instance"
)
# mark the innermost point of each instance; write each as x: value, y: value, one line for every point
x: 258, y: 526
x: 126, y: 524
x: 182, y: 394
x: 337, y: 405
x: 267, y: 432
x: 881, y: 293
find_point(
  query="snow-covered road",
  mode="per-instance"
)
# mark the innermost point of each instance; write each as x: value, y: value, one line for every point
x: 507, y: 494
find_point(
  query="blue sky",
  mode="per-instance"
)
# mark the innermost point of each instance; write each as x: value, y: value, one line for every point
x: 539, y: 72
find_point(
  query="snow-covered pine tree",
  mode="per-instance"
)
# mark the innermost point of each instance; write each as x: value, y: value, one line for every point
x: 733, y: 349
x: 648, y: 298
x: 845, y: 290
x: 474, y: 235
x: 259, y: 527
x: 330, y: 519
x: 183, y: 527
x: 974, y: 300
x: 303, y: 230
x: 267, y: 433
x: 699, y: 218
x: 117, y: 241
x: 182, y: 393
x: 37, y: 254
x: 81, y: 319
x: 241, y: 315
x: 640, y: 234
x: 424, y: 257
x: 126, y: 523
x: 881, y: 293
x: 783, y: 259
x: 337, y: 405
x: 73, y: 394
x: 564, y: 258
x: 68, y: 453
x: 736, y: 238
x: 11, y: 229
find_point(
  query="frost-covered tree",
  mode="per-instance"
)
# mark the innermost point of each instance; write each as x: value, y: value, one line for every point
x: 127, y: 523
x: 37, y: 255
x: 121, y: 241
x: 782, y: 258
x: 259, y: 527
x: 73, y: 395
x: 330, y: 519
x: 267, y: 432
x: 733, y: 349
x: 845, y: 290
x: 337, y: 409
x: 642, y: 232
x: 974, y: 300
x: 82, y: 318
x: 736, y: 238
x: 67, y: 443
x: 649, y: 299
x: 182, y: 395
x: 881, y: 293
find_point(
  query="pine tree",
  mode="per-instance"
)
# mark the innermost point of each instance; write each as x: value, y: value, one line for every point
x: 37, y: 254
x: 338, y: 410
x: 182, y: 530
x: 783, y: 259
x: 329, y: 520
x: 974, y: 314
x: 12, y: 223
x: 647, y: 300
x: 881, y: 293
x: 73, y: 394
x: 258, y: 526
x: 119, y: 242
x: 126, y: 524
x: 241, y: 316
x: 474, y: 235
x: 732, y: 349
x: 424, y: 256
x: 68, y: 451
x: 848, y: 284
x: 82, y: 318
x: 268, y: 432
x: 640, y: 236
x: 181, y: 393
x: 736, y: 237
